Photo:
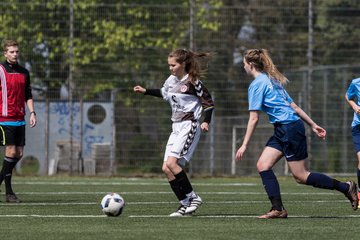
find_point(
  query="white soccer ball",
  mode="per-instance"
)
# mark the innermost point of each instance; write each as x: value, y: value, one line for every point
x: 112, y: 204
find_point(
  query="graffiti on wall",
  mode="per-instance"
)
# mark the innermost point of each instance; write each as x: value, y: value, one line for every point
x: 84, y: 124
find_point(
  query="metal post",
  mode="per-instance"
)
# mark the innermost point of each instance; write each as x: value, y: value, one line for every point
x: 233, y: 162
x: 324, y: 116
x: 113, y: 141
x: 191, y: 27
x: 212, y: 142
x: 191, y: 43
x: 80, y: 158
x: 47, y: 131
x: 345, y: 127
x: 309, y: 72
x: 71, y: 37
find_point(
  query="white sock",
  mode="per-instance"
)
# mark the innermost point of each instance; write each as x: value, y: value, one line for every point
x: 185, y: 202
x: 192, y: 194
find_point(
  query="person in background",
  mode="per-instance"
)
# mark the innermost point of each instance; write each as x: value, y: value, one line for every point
x: 188, y: 97
x: 267, y: 93
x: 14, y: 95
x: 352, y: 96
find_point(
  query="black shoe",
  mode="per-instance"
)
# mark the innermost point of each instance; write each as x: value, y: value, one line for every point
x: 12, y: 198
x: 352, y: 195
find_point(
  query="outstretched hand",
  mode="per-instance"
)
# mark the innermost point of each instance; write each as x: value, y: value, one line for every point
x: 139, y: 89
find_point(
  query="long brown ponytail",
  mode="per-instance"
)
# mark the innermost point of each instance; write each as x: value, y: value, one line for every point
x: 194, y: 62
x: 261, y: 61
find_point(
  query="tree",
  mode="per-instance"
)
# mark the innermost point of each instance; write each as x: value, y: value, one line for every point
x: 338, y: 41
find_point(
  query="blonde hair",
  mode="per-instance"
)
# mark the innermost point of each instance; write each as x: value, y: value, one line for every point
x: 194, y: 62
x: 261, y: 61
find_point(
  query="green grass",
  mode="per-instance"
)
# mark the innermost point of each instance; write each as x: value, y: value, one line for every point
x: 69, y: 208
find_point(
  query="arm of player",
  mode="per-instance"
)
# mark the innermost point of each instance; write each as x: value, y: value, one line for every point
x: 353, y: 104
x: 207, y: 119
x: 139, y: 89
x: 252, y: 123
x: 320, y: 132
x: 32, y: 118
x: 208, y: 105
x: 152, y: 92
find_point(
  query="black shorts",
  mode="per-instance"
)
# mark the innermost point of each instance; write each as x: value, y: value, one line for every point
x: 12, y: 135
x: 355, y: 131
x: 290, y: 139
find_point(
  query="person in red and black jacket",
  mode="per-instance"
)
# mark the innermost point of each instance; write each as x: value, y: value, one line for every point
x: 15, y: 93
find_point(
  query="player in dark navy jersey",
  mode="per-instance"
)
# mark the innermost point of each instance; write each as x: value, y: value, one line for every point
x: 266, y: 93
x: 188, y: 98
x: 14, y: 95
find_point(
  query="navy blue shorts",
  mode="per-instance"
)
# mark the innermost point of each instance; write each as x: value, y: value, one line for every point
x: 290, y: 139
x: 12, y: 135
x: 355, y: 131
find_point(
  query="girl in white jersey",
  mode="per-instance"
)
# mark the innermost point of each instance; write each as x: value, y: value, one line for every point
x: 266, y: 93
x: 188, y: 97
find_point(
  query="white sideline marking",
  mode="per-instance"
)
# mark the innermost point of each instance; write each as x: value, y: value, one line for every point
x: 163, y: 202
x: 168, y: 192
x: 162, y: 183
x: 166, y: 216
x: 49, y: 204
x: 52, y: 216
x: 241, y: 216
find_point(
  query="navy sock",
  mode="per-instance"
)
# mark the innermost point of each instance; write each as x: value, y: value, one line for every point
x: 358, y: 177
x: 272, y: 188
x: 320, y: 180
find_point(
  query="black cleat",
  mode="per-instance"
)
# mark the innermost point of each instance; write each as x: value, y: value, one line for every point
x: 352, y: 195
x: 12, y: 198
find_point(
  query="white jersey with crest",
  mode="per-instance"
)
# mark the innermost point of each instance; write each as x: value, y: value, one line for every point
x: 187, y: 100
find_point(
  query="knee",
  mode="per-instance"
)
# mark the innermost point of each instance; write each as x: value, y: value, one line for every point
x: 13, y: 153
x: 300, y: 178
x: 168, y: 173
x: 261, y: 166
x: 171, y: 165
x: 165, y: 169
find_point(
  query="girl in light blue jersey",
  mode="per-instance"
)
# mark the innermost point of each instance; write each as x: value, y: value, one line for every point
x: 352, y: 96
x: 266, y: 93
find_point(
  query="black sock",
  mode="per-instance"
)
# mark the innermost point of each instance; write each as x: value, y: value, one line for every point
x: 174, y: 184
x: 276, y: 203
x: 358, y: 177
x: 8, y: 166
x: 2, y: 174
x: 184, y: 183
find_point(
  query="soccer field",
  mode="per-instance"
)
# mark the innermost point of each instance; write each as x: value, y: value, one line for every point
x: 69, y: 208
